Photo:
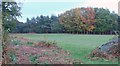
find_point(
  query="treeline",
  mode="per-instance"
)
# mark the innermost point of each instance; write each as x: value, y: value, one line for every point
x: 40, y: 24
x: 78, y: 20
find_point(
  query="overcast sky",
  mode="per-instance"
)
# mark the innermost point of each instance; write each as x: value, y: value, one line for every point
x: 33, y: 8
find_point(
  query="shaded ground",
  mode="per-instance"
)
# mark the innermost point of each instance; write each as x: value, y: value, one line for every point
x: 24, y: 51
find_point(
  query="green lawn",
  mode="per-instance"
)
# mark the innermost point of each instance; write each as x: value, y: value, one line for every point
x: 78, y: 45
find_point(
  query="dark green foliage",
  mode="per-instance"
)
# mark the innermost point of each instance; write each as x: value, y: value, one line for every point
x: 105, y: 22
x: 10, y: 12
x: 29, y: 43
x: 119, y: 25
x: 12, y: 56
x: 33, y: 58
x: 16, y: 42
x: 42, y: 24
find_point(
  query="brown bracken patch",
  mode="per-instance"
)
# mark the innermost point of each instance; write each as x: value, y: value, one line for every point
x: 37, y: 53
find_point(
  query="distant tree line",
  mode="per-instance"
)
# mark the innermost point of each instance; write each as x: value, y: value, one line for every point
x: 40, y: 24
x: 79, y: 20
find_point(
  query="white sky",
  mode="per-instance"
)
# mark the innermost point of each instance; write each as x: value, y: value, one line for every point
x: 109, y: 4
x: 112, y: 5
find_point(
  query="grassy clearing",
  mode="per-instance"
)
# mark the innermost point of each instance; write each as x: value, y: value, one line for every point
x: 78, y: 45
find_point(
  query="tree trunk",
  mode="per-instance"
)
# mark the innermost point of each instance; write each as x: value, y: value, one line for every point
x: 87, y: 32
x: 77, y: 32
x: 111, y: 32
x: 1, y: 36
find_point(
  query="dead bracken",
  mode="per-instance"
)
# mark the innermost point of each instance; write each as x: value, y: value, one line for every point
x: 36, y: 53
x: 108, y: 51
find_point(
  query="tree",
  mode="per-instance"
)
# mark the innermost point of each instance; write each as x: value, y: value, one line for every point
x: 10, y: 12
x: 56, y: 27
x: 88, y: 18
x: 78, y: 19
x: 19, y: 28
x: 69, y: 20
x: 118, y: 25
x: 1, y: 37
x: 105, y: 21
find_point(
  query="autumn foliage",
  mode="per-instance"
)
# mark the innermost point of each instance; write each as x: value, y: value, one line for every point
x: 88, y: 17
x: 79, y: 19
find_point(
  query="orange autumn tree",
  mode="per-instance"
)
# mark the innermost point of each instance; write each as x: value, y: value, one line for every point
x: 78, y: 19
x: 88, y: 18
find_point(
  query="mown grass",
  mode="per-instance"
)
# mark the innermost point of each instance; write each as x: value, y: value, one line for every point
x: 78, y: 45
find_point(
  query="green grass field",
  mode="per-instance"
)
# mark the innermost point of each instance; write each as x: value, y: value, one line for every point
x: 78, y: 45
